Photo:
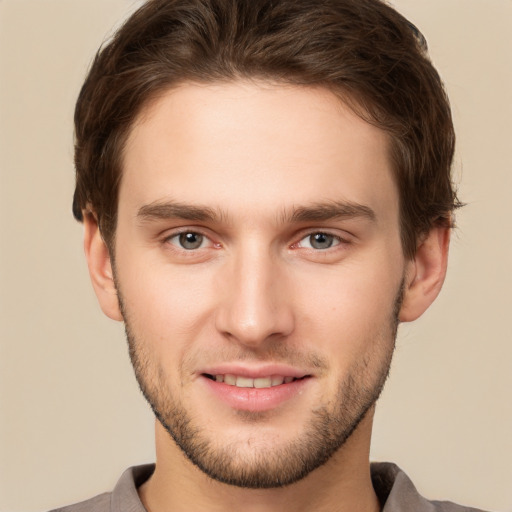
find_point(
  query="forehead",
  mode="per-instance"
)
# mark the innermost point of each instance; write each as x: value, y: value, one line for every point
x: 247, y: 146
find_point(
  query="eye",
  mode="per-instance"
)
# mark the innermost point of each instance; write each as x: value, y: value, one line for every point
x: 319, y: 241
x: 188, y: 240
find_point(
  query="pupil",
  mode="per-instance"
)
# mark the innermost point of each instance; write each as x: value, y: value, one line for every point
x: 321, y: 241
x: 191, y: 240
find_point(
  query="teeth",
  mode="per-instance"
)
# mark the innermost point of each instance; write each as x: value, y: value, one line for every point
x: 276, y: 380
x: 264, y: 382
x: 260, y: 382
x: 229, y: 379
x: 243, y: 382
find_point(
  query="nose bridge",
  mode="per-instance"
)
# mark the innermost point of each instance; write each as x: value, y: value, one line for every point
x: 254, y: 306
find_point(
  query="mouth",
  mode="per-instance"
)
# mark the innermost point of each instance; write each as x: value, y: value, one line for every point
x: 256, y: 388
x: 240, y: 381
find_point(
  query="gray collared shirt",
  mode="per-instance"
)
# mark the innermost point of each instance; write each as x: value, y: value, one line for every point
x: 395, y: 490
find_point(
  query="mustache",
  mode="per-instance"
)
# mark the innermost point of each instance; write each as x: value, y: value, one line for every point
x: 275, y: 353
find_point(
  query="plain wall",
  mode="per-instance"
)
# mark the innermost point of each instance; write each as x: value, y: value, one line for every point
x: 71, y: 415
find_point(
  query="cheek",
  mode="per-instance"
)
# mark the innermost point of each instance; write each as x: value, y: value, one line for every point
x: 167, y: 306
x: 351, y: 308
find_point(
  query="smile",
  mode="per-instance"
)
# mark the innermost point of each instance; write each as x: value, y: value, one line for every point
x: 246, y: 382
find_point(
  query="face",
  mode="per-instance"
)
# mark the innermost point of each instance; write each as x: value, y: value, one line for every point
x: 259, y: 268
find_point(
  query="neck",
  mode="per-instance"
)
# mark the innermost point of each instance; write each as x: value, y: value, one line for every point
x: 342, y: 484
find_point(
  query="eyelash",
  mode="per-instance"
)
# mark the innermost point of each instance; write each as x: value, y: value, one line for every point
x: 178, y: 234
x: 336, y: 240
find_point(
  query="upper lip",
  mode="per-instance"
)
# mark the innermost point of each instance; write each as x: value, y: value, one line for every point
x: 255, y: 372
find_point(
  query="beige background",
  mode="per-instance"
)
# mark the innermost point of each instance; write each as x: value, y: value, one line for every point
x: 71, y: 417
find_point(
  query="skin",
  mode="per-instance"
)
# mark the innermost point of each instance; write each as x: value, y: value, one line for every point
x: 253, y: 168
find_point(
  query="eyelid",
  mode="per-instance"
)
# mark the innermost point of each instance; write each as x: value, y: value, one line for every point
x: 174, y: 233
x: 336, y: 241
x: 340, y: 238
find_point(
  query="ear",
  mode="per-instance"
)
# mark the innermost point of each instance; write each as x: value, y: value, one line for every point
x: 425, y: 273
x: 100, y: 267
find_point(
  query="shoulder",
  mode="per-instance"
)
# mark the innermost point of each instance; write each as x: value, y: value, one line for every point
x: 100, y: 503
x: 397, y: 493
x: 448, y: 506
x: 124, y: 497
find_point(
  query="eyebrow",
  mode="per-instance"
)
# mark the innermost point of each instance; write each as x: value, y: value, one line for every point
x: 317, y: 212
x: 331, y: 210
x: 159, y: 210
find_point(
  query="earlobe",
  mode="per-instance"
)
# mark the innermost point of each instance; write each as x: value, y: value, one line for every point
x: 425, y: 273
x: 100, y: 267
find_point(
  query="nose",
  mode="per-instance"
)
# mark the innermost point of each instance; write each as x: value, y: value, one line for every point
x: 255, y: 306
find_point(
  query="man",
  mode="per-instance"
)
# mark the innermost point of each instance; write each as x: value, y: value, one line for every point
x: 265, y: 189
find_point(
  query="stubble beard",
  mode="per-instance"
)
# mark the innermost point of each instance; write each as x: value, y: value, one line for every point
x: 329, y: 427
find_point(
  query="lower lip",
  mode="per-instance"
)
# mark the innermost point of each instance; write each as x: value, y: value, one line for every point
x: 256, y: 399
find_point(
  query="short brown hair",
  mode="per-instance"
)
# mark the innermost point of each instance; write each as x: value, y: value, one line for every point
x: 363, y: 50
